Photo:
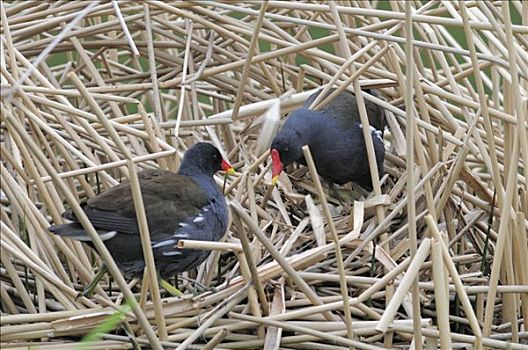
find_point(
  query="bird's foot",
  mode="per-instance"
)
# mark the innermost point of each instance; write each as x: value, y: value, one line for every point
x: 344, y: 196
x: 87, y: 292
x: 197, y: 289
x: 90, y: 288
x: 175, y: 292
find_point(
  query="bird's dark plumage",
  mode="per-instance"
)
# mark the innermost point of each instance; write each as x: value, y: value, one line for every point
x: 187, y: 205
x: 335, y: 137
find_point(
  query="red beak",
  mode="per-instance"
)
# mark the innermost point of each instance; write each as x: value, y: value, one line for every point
x: 276, y: 166
x: 227, y: 167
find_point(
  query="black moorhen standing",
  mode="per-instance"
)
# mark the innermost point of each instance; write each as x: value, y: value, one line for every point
x: 186, y: 205
x: 335, y: 137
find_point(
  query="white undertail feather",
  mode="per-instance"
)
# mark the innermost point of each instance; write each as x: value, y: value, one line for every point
x: 85, y: 238
x: 376, y: 132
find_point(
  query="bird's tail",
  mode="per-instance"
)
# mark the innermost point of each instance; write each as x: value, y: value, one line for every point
x: 75, y: 231
x: 71, y: 230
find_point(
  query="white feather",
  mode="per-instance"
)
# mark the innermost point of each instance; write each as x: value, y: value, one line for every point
x: 199, y: 218
x: 163, y: 243
x: 108, y: 235
x: 172, y: 253
x: 85, y: 238
x: 181, y: 235
x: 378, y: 135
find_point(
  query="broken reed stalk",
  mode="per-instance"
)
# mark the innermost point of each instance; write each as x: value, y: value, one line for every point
x: 77, y: 123
x: 308, y: 292
x: 456, y: 280
x: 327, y: 336
x: 408, y: 279
x: 221, y: 311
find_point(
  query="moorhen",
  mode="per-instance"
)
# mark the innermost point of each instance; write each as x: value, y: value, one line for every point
x: 335, y: 137
x: 186, y: 205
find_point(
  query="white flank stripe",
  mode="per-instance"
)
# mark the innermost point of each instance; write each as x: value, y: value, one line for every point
x: 172, y: 253
x: 106, y: 236
x: 199, y: 218
x: 164, y: 243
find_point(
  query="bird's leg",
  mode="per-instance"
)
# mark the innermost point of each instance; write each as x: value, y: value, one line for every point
x: 110, y: 279
x: 225, y: 183
x: 343, y: 195
x: 89, y: 289
x: 219, y: 272
x: 346, y: 196
x: 198, y: 287
x: 172, y: 290
x: 336, y: 193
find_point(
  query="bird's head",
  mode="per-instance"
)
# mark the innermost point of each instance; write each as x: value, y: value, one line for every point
x: 205, y: 158
x: 285, y: 149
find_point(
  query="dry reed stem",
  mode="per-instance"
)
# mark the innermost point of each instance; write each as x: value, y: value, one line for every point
x: 410, y: 277
x: 456, y: 280
x: 92, y: 91
x: 411, y: 181
x: 129, y: 38
x: 246, y: 249
x: 339, y: 256
x: 276, y: 255
x: 229, y: 304
x: 249, y: 58
x: 441, y: 297
x: 147, y: 248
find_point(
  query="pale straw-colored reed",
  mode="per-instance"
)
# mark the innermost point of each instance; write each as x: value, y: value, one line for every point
x: 436, y: 256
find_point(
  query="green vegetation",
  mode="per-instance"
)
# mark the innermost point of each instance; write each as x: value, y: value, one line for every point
x: 111, y: 323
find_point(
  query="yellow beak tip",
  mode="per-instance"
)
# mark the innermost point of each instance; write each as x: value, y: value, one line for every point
x: 231, y: 171
x: 274, y: 180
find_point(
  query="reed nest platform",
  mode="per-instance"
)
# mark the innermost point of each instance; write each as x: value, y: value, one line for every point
x: 436, y: 256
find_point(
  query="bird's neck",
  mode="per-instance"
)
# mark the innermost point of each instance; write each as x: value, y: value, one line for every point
x: 196, y: 173
x: 206, y: 181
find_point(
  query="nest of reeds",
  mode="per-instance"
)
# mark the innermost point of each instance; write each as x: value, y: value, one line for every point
x: 436, y: 255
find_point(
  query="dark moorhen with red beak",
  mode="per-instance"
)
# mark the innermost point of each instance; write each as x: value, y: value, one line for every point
x: 186, y: 205
x: 335, y: 137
